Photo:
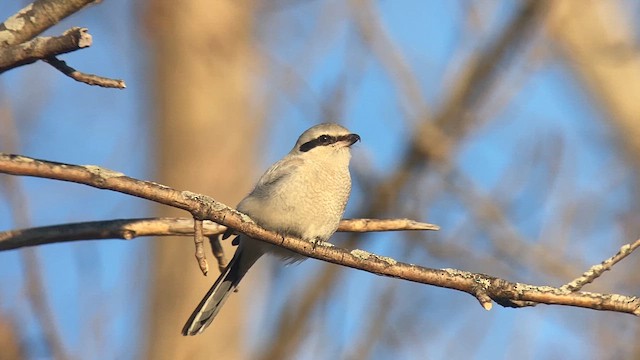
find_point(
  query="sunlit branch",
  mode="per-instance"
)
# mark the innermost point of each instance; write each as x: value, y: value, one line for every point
x: 42, y: 48
x: 128, y: 229
x: 484, y: 287
x: 89, y: 79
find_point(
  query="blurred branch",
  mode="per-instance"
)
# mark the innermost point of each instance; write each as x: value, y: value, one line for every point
x: 507, y: 240
x: 292, y: 325
x: 485, y: 288
x: 43, y: 47
x: 129, y: 229
x: 391, y: 57
x: 364, y: 346
x: 40, y: 307
x: 597, y: 39
x: 32, y: 267
x: 481, y: 71
x: 36, y: 18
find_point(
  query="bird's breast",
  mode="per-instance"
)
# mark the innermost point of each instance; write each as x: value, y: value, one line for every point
x: 307, y: 204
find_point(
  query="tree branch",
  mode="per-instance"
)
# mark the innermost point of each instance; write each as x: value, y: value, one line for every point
x: 36, y: 18
x: 596, y: 271
x: 129, y: 229
x: 18, y: 48
x: 218, y: 251
x: 484, y: 287
x: 41, y: 48
x: 89, y: 79
x: 198, y: 238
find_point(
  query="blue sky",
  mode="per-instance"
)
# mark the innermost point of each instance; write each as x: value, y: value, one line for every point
x: 61, y: 120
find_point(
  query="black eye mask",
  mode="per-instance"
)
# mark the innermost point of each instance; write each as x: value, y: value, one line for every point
x: 322, y: 140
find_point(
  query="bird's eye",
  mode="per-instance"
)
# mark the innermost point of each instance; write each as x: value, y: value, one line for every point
x: 324, y: 139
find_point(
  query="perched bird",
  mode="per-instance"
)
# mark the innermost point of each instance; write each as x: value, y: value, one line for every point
x: 303, y: 195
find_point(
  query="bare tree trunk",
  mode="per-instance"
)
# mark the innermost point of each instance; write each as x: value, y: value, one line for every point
x: 205, y: 143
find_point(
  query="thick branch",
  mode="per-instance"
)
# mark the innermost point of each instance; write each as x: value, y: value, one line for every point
x: 483, y: 287
x: 43, y: 47
x: 36, y: 18
x: 128, y: 229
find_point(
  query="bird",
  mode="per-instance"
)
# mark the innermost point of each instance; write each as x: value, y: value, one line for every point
x: 303, y: 195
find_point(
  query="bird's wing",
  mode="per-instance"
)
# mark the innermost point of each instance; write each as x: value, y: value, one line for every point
x: 279, y: 171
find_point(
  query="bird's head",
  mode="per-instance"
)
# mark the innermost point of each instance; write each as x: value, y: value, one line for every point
x: 325, y: 139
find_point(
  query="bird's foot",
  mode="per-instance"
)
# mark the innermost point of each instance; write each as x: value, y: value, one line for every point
x: 317, y: 241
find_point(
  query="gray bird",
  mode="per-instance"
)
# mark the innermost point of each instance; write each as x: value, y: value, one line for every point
x: 303, y: 195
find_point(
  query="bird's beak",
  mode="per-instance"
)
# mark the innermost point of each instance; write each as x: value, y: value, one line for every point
x: 351, y: 138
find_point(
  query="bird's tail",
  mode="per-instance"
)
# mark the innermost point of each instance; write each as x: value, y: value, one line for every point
x: 226, y: 283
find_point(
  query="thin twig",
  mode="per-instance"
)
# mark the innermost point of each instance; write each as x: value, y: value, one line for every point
x: 369, y: 225
x: 129, y: 229
x: 89, y: 79
x: 218, y: 251
x: 198, y: 239
x: 597, y: 270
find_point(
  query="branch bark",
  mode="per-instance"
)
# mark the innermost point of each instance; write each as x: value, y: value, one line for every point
x: 89, y: 79
x: 42, y: 48
x: 19, y: 47
x: 484, y: 287
x: 35, y: 18
x: 129, y: 229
